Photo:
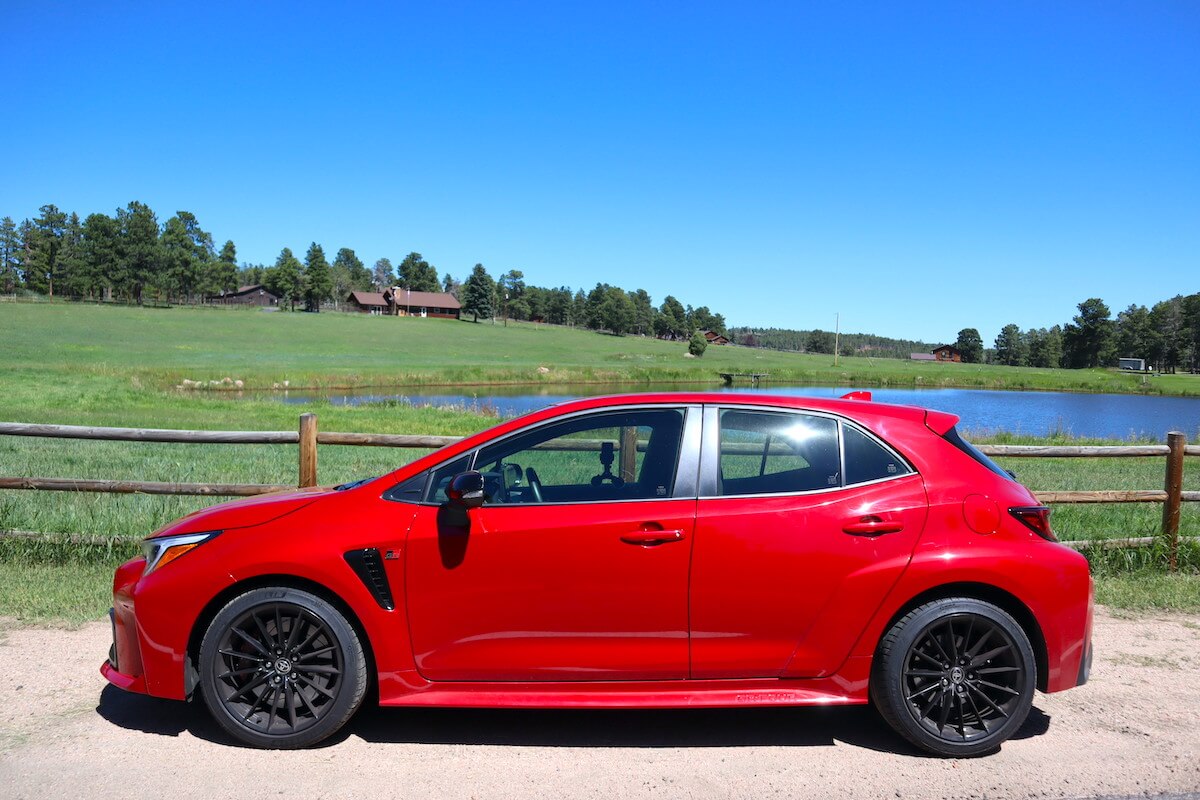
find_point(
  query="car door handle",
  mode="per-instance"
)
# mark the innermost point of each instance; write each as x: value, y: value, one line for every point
x: 652, y: 538
x: 872, y: 525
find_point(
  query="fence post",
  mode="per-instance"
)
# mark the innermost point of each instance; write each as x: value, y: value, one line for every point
x: 308, y: 450
x: 1176, y: 441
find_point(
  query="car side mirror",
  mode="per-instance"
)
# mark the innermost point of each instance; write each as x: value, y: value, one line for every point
x: 466, y: 490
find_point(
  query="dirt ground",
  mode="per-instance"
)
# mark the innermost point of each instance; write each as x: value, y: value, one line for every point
x: 1133, y: 730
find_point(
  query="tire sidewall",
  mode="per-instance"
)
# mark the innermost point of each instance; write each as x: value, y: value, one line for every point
x: 887, y: 680
x: 349, y: 696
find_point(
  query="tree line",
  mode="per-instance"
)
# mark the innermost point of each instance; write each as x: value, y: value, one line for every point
x: 131, y: 256
x: 822, y: 341
x: 1166, y: 335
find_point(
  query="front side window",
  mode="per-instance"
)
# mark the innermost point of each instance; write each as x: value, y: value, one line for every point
x: 766, y: 452
x: 622, y: 455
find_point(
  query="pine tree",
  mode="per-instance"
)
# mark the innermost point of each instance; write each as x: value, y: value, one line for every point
x: 383, y: 276
x: 141, y: 261
x: 317, y: 283
x: 477, y: 293
x: 10, y: 259
x: 285, y: 278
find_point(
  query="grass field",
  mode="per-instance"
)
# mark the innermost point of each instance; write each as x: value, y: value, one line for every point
x: 80, y: 364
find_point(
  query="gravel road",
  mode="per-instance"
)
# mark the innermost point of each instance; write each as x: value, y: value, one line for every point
x: 1134, y: 730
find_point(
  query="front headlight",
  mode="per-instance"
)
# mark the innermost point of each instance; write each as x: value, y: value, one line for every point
x: 166, y: 549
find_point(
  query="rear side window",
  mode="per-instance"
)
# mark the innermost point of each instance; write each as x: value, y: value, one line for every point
x: 763, y: 452
x: 955, y: 439
x: 867, y: 460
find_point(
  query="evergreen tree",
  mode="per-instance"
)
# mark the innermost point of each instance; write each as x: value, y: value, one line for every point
x: 1011, y: 347
x: 285, y: 279
x: 1135, y: 334
x: 510, y: 290
x: 970, y: 345
x: 643, y: 312
x: 101, y: 253
x: 477, y: 292
x: 672, y: 322
x: 222, y: 272
x: 418, y: 275
x: 140, y: 251
x: 579, y: 308
x: 1088, y: 339
x: 450, y: 285
x: 44, y: 246
x: 617, y: 313
x: 383, y: 276
x: 697, y: 344
x: 74, y: 282
x: 10, y: 258
x: 317, y: 283
x: 350, y: 268
x: 187, y: 252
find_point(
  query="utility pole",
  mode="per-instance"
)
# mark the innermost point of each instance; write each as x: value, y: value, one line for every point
x: 837, y: 332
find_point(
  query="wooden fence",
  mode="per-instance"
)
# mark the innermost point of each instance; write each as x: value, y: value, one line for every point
x: 308, y: 437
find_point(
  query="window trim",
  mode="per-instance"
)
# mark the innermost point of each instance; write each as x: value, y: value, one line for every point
x: 687, y: 465
x: 711, y: 456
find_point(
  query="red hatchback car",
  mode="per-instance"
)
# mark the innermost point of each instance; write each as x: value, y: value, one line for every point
x: 661, y: 550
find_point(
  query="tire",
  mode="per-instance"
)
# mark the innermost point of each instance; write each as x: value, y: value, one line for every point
x: 281, y: 668
x: 955, y: 677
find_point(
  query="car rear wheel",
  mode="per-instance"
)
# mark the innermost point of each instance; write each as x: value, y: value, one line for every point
x: 281, y: 668
x: 955, y: 677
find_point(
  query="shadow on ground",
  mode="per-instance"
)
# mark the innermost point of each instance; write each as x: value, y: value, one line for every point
x: 859, y: 726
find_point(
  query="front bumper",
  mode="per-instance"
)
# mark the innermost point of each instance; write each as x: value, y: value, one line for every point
x: 124, y: 668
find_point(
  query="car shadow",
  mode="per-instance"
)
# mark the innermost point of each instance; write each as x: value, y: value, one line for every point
x: 859, y: 726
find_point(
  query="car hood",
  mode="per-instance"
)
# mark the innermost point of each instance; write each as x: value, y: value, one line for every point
x: 243, y: 513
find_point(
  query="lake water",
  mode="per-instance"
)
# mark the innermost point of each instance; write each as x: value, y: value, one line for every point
x: 1110, y: 416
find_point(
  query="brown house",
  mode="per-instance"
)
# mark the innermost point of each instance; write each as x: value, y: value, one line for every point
x: 404, y: 303
x: 368, y: 302
x: 947, y: 353
x: 253, y: 295
x: 715, y: 338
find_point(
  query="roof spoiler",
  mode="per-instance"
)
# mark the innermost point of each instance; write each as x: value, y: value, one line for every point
x: 857, y: 396
x: 939, y: 421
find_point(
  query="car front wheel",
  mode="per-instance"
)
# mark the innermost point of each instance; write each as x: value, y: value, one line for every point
x: 955, y: 677
x: 281, y: 668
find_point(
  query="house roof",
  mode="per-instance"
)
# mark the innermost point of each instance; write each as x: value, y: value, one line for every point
x: 368, y: 299
x: 248, y: 289
x: 425, y: 299
x: 922, y: 356
x: 949, y: 347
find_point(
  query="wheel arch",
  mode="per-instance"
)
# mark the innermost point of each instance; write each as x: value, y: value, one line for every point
x: 998, y: 597
x: 219, y: 601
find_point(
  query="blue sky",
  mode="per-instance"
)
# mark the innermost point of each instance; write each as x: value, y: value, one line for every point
x: 917, y: 167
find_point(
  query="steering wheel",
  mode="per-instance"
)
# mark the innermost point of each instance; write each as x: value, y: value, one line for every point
x: 534, y: 483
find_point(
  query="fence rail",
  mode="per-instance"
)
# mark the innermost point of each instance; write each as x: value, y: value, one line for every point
x: 307, y: 436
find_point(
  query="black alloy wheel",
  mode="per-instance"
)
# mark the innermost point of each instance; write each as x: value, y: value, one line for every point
x: 281, y: 668
x: 955, y: 677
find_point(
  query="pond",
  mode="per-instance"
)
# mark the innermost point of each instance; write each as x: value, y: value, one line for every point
x: 1109, y: 416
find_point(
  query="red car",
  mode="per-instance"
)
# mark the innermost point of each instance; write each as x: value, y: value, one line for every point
x: 661, y: 550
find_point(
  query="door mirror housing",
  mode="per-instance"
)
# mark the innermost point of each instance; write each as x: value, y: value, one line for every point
x: 466, y: 490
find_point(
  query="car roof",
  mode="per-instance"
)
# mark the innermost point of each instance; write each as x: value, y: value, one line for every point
x: 854, y: 408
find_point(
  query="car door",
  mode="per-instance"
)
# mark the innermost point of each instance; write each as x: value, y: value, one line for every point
x: 804, y: 523
x: 576, y: 566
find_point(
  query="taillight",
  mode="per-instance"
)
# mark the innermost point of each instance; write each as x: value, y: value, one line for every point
x: 1036, y: 518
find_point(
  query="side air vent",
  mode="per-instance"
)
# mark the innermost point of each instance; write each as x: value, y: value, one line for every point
x: 368, y: 566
